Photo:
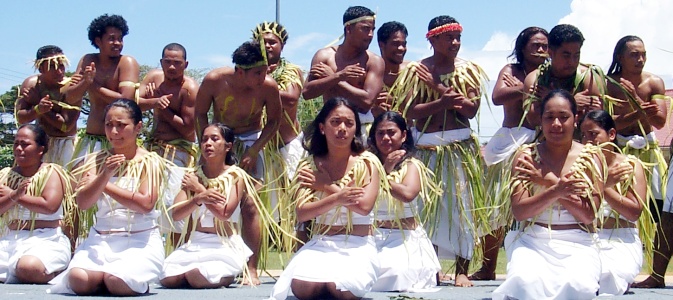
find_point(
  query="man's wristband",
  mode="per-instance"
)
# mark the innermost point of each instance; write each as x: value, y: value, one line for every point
x: 36, y: 108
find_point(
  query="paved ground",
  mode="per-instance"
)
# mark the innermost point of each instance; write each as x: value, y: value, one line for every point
x: 482, y: 290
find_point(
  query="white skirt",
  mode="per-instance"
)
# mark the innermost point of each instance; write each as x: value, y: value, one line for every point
x: 407, y: 261
x: 60, y: 151
x: 621, y: 253
x: 135, y: 258
x: 215, y: 257
x: 550, y: 264
x: 49, y: 245
x: 348, y: 261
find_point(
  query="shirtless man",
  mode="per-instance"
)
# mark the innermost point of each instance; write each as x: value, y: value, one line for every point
x: 392, y: 39
x: 283, y: 153
x: 442, y: 109
x: 635, y: 136
x: 349, y: 70
x: 530, y: 51
x: 54, y: 101
x: 172, y: 95
x: 116, y: 77
x: 238, y: 96
x: 563, y: 71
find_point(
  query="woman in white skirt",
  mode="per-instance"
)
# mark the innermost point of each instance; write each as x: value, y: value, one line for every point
x: 215, y: 252
x: 621, y: 249
x: 34, y: 248
x: 407, y: 260
x: 124, y: 251
x: 337, y: 185
x: 554, y: 255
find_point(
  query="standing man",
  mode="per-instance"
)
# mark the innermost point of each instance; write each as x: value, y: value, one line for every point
x: 172, y: 95
x: 116, y: 77
x: 349, y: 70
x: 564, y: 71
x: 54, y: 101
x: 442, y: 108
x: 642, y: 109
x: 530, y: 51
x: 284, y: 151
x: 392, y: 39
x: 238, y: 97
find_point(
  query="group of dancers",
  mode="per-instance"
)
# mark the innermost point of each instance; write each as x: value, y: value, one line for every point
x: 385, y: 180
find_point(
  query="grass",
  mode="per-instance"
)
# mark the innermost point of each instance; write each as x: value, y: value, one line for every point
x: 277, y: 260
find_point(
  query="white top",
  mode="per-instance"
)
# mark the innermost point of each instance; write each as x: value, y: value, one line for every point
x: 113, y: 216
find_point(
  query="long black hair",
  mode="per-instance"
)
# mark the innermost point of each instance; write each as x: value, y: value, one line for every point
x: 395, y: 117
x: 315, y: 142
x: 228, y: 136
x: 615, y: 66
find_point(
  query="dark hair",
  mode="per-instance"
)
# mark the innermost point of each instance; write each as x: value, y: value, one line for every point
x: 283, y: 36
x: 175, y: 47
x: 559, y: 93
x: 523, y: 39
x: 248, y: 53
x: 355, y: 12
x: 228, y: 136
x: 564, y: 33
x: 47, y: 51
x: 131, y: 107
x: 388, y: 28
x: 600, y: 117
x: 441, y: 20
x: 41, y: 138
x: 615, y: 66
x: 99, y: 25
x: 316, y: 143
x: 401, y: 123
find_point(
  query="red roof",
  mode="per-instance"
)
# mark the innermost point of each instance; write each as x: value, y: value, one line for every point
x: 665, y: 134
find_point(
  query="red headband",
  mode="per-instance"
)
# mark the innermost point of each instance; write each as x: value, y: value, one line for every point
x: 444, y: 28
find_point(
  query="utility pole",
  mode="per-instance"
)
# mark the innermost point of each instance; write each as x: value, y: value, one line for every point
x: 278, y: 11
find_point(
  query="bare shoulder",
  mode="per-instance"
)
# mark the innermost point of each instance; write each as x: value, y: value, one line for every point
x: 218, y: 74
x: 154, y: 75
x: 190, y: 83
x: 324, y: 54
x: 29, y: 82
x: 653, y: 80
x: 126, y: 61
x: 89, y: 58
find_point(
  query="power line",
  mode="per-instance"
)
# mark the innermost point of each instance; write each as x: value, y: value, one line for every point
x: 10, y: 75
x: 17, y: 72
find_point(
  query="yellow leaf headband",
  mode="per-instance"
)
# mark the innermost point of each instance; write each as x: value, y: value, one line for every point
x: 56, y: 59
x: 363, y: 18
x: 263, y: 62
x: 270, y: 27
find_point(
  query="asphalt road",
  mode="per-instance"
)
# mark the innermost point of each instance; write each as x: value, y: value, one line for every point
x: 481, y: 290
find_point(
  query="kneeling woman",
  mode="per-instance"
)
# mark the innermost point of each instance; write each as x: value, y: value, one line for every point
x: 215, y: 252
x: 34, y: 250
x: 407, y: 260
x: 621, y: 250
x: 124, y: 251
x: 554, y: 255
x: 337, y: 185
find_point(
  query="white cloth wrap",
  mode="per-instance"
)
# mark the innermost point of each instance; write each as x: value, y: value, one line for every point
x: 452, y: 236
x: 60, y: 150
x: 248, y: 139
x: 366, y: 120
x: 215, y: 257
x: 349, y: 261
x: 505, y: 142
x: 550, y: 264
x: 621, y: 253
x: 407, y: 261
x: 49, y: 245
x: 175, y: 175
x: 639, y: 142
x: 136, y: 258
x: 292, y: 153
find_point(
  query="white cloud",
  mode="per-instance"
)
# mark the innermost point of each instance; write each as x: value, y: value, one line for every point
x: 218, y: 60
x: 604, y: 23
x: 500, y: 41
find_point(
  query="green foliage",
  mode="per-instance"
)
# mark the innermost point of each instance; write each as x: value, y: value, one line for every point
x: 6, y: 156
x: 308, y: 110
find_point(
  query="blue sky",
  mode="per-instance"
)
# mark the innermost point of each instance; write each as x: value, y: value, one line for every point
x: 211, y: 30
